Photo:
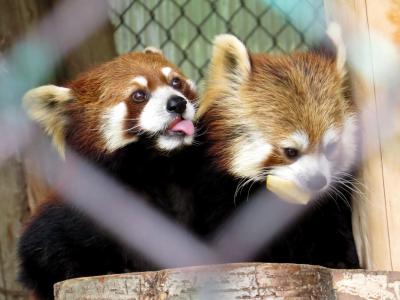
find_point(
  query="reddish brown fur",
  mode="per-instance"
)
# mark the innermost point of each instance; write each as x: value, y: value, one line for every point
x: 282, y: 94
x: 105, y: 86
x: 306, y: 93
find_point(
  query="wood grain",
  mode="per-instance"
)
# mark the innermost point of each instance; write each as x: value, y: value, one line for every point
x: 236, y: 281
x: 373, y: 26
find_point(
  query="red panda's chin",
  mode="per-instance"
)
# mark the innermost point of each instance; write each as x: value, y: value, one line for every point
x: 178, y: 133
x: 170, y: 142
x: 174, y: 133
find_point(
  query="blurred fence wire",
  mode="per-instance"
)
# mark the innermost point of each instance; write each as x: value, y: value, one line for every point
x: 30, y: 61
x: 186, y: 39
x: 184, y: 29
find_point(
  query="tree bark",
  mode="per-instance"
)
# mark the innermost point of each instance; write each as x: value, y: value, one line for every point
x: 236, y: 281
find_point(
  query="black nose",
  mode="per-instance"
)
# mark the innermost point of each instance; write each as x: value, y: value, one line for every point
x: 176, y: 104
x: 316, y: 182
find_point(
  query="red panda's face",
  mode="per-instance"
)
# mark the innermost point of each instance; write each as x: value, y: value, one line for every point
x: 287, y: 116
x: 135, y: 96
x: 300, y: 124
x: 306, y: 125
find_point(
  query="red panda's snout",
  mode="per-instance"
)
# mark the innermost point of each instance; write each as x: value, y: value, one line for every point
x: 163, y: 115
x: 315, y: 167
x: 157, y: 106
x: 312, y: 160
x: 168, y: 116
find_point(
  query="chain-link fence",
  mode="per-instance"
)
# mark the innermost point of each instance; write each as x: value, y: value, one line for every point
x: 184, y: 29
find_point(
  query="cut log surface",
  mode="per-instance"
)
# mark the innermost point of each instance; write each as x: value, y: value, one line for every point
x: 236, y: 281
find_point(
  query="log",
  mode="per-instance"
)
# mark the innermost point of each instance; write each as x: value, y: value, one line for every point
x: 236, y: 281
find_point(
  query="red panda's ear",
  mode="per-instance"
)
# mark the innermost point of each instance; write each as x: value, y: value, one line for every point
x: 153, y: 50
x: 47, y: 106
x: 230, y: 66
x: 230, y: 54
x: 334, y: 32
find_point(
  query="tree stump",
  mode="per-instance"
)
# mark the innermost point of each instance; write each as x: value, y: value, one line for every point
x: 236, y: 281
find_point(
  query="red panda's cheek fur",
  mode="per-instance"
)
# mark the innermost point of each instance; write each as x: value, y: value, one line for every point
x: 218, y: 141
x: 275, y: 159
x: 131, y: 124
x: 84, y: 132
x: 189, y: 93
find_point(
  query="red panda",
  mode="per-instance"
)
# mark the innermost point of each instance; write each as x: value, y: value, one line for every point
x: 134, y: 96
x: 125, y: 115
x: 291, y: 116
x: 286, y: 115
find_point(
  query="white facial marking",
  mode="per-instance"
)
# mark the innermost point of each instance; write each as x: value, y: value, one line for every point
x: 155, y: 117
x: 188, y: 140
x: 249, y: 155
x: 140, y: 80
x: 298, y: 140
x: 191, y: 84
x: 113, y: 128
x: 189, y: 112
x: 307, y: 166
x: 166, y: 71
x: 169, y: 143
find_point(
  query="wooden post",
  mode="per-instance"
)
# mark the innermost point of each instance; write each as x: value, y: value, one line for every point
x: 16, y: 17
x: 236, y: 281
x: 374, y: 26
x: 20, y: 190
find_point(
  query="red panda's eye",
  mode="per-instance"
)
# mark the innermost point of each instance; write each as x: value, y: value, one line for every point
x: 291, y: 153
x: 140, y: 96
x: 176, y: 83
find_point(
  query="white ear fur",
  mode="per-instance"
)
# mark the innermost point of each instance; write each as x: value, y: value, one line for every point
x: 153, y: 50
x: 335, y: 34
x: 231, y: 54
x: 46, y: 105
x: 230, y: 66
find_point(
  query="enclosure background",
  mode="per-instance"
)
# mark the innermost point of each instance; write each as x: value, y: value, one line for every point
x: 184, y: 29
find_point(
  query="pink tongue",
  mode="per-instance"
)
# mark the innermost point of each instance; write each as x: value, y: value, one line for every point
x: 184, y: 126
